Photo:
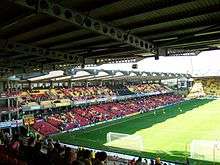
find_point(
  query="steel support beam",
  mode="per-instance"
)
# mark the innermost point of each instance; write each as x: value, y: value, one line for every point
x: 182, y: 52
x: 212, y: 29
x: 36, y: 51
x: 85, y: 21
x: 13, y: 21
x: 194, y: 41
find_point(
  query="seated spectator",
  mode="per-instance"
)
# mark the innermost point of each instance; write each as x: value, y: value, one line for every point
x: 38, y: 158
x: 100, y: 158
x: 152, y: 162
x: 157, y: 161
x: 15, y: 144
x: 139, y: 161
x: 69, y: 156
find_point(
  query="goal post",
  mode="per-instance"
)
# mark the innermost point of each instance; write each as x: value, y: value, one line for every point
x: 126, y: 141
x: 207, y: 150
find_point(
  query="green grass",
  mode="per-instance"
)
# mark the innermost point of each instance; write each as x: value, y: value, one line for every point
x: 165, y: 134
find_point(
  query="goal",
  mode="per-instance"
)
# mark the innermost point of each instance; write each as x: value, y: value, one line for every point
x: 126, y: 141
x: 205, y: 150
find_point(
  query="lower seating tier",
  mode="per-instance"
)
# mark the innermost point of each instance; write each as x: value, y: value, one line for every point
x: 79, y: 117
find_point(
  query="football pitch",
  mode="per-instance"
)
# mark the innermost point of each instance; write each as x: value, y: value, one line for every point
x: 166, y: 132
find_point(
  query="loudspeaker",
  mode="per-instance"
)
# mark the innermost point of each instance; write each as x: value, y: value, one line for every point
x: 134, y: 66
x: 156, y: 57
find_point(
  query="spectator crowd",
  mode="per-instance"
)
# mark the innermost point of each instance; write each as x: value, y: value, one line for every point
x: 28, y: 149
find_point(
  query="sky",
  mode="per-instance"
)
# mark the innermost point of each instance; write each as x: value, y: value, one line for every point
x: 207, y: 63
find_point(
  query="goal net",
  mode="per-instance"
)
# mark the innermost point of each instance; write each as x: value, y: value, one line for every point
x: 126, y: 141
x: 205, y: 150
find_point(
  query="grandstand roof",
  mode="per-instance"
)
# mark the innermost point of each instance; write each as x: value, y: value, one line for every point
x: 206, y: 77
x: 95, y: 74
x: 51, y: 34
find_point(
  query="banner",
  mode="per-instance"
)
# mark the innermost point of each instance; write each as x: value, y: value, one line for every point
x: 28, y: 119
x: 46, y: 104
x: 62, y: 103
x: 11, y: 124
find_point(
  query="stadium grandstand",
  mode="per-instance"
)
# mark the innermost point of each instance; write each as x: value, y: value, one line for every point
x: 115, y: 82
